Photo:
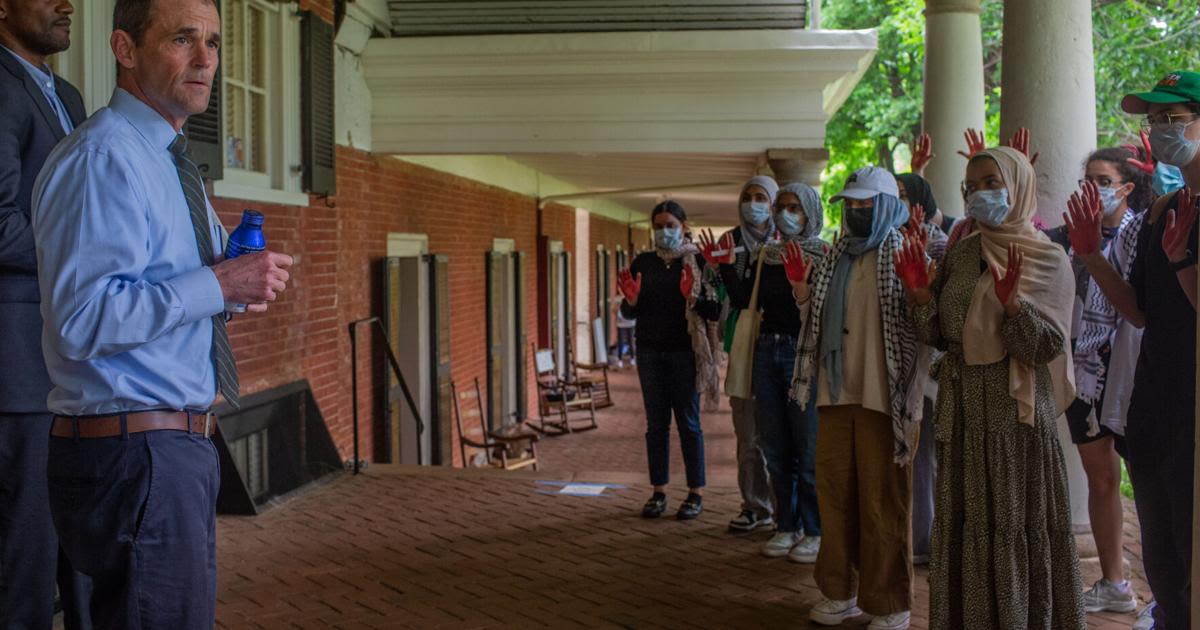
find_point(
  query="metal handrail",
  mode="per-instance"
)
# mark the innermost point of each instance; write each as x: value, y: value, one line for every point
x: 395, y: 364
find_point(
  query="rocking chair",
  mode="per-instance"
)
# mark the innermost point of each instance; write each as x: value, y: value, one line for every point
x: 512, y: 445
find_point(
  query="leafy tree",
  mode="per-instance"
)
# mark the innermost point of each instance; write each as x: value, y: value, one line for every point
x: 1136, y: 42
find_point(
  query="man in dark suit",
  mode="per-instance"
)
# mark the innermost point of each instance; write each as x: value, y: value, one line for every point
x: 37, y: 109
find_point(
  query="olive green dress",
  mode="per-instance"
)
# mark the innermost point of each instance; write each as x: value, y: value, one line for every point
x: 1003, y: 552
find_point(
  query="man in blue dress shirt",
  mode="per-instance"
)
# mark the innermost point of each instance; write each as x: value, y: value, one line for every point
x: 133, y: 292
x: 37, y: 109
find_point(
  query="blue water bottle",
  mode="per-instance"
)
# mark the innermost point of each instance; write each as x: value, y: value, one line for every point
x: 246, y: 239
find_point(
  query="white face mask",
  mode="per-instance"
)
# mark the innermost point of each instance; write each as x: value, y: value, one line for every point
x: 1170, y: 144
x: 1109, y: 201
x: 668, y: 238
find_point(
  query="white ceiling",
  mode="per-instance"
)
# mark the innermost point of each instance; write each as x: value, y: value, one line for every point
x: 677, y: 176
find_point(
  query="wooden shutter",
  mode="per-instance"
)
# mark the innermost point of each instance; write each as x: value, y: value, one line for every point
x: 522, y: 336
x: 203, y: 132
x: 318, y: 105
x: 439, y: 320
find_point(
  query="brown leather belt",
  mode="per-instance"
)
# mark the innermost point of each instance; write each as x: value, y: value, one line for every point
x: 136, y: 422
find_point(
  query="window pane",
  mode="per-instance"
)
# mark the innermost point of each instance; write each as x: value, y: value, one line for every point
x: 257, y: 133
x: 235, y: 126
x: 256, y: 47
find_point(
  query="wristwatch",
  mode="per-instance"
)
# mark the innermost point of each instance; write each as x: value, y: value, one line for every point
x: 1189, y: 260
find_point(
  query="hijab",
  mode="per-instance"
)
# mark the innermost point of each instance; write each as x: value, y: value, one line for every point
x: 752, y: 235
x: 1047, y: 282
x: 919, y: 193
x: 809, y: 238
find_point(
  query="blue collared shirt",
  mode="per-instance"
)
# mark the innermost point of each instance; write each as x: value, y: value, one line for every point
x: 126, y: 302
x: 44, y: 78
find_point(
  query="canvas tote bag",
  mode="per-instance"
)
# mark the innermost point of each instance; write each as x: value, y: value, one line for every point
x: 745, y: 334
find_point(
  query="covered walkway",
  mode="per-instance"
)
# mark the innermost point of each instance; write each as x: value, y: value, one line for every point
x: 409, y: 547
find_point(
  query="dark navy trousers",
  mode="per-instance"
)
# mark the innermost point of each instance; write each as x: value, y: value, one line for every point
x: 138, y: 515
x: 668, y: 382
x: 30, y: 561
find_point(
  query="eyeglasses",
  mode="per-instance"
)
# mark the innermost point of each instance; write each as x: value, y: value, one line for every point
x: 1102, y: 182
x: 1152, y: 120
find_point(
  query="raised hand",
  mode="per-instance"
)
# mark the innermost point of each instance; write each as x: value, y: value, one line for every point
x: 1020, y: 142
x: 915, y: 270
x: 797, y: 265
x: 922, y: 153
x: 629, y: 286
x: 975, y: 143
x: 1083, y: 217
x: 1006, y: 286
x: 717, y: 252
x: 1179, y: 227
x: 916, y: 220
x: 1146, y: 167
x: 687, y: 281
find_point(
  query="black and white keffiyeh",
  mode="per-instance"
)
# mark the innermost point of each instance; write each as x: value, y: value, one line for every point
x: 900, y: 343
x: 1100, y: 318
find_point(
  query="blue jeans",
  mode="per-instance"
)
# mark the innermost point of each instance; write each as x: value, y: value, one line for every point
x: 787, y: 436
x: 138, y: 515
x: 668, y: 382
x: 28, y: 545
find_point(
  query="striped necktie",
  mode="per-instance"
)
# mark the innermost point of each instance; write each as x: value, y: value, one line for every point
x: 193, y: 191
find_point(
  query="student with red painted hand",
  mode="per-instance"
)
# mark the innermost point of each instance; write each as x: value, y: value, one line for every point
x: 1106, y: 348
x: 858, y: 347
x: 1003, y: 552
x: 664, y: 293
x: 786, y: 433
x: 1160, y: 295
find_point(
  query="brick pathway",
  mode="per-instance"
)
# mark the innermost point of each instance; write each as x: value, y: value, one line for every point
x: 403, y: 547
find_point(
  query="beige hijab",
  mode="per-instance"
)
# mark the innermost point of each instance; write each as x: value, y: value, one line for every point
x: 1046, y: 282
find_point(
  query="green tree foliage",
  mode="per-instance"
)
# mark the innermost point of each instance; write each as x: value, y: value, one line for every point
x: 1136, y: 43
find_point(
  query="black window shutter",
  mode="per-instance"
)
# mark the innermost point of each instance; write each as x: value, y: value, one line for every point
x: 203, y: 132
x: 317, y: 115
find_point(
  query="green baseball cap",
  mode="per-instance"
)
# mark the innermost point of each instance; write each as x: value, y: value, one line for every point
x: 1177, y: 87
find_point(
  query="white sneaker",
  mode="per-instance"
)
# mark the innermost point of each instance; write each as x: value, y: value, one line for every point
x: 832, y: 612
x: 780, y: 544
x: 805, y: 551
x: 894, y: 621
x: 1109, y: 596
x: 1145, y: 619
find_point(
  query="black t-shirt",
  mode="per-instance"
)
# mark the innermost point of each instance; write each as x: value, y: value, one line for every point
x: 1164, y: 385
x: 660, y: 312
x: 775, y: 299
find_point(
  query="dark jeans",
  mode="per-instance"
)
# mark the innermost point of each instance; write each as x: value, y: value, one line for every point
x: 624, y: 342
x: 668, y: 382
x: 787, y: 436
x: 30, y: 560
x: 138, y: 515
x: 924, y: 474
x: 1160, y: 461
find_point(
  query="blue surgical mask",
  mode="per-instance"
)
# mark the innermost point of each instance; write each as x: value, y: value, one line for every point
x: 1170, y: 144
x: 1109, y: 201
x: 668, y: 238
x: 989, y: 207
x: 789, y: 224
x: 755, y: 212
x: 1167, y: 179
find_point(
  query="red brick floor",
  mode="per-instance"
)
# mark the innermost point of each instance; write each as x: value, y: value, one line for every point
x: 405, y: 547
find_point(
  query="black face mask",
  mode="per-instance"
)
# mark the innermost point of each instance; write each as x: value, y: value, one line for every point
x: 860, y: 220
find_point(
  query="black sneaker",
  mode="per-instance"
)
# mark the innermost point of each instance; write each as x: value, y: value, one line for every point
x: 655, y: 506
x: 690, y: 508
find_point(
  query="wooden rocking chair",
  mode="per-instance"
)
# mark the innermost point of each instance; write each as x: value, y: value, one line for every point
x: 562, y: 404
x: 512, y: 445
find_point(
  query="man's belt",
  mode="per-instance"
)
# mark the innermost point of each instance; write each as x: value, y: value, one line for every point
x: 135, y: 422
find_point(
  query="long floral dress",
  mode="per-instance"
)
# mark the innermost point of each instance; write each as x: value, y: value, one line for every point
x: 1004, y: 555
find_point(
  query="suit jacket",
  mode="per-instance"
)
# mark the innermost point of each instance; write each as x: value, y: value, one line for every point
x: 29, y: 129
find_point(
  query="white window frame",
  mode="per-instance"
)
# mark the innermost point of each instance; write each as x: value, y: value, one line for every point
x: 282, y: 182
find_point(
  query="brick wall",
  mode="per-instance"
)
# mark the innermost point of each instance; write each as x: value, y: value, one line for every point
x: 340, y: 246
